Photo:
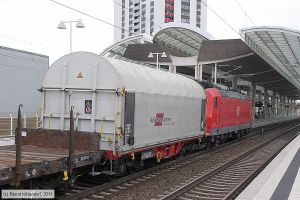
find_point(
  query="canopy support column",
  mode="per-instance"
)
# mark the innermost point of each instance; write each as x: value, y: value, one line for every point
x: 253, y: 92
x: 215, y: 73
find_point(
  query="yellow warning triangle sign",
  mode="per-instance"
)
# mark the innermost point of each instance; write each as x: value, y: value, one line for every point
x: 80, y: 75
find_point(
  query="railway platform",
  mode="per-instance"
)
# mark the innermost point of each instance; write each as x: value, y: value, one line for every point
x: 280, y: 179
x: 269, y: 121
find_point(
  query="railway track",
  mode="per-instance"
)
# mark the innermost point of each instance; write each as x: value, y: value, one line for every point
x: 104, y: 191
x: 229, y: 179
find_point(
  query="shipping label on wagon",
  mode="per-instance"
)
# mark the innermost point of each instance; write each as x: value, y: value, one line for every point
x: 160, y: 119
x: 88, y: 107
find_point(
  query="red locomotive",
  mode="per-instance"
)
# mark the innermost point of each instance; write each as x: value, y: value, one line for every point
x: 228, y: 114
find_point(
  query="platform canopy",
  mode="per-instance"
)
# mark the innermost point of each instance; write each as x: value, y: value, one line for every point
x: 236, y: 59
x: 185, y: 41
x: 179, y: 41
x: 279, y: 47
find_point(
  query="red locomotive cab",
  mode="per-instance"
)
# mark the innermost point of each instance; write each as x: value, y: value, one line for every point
x: 212, y: 109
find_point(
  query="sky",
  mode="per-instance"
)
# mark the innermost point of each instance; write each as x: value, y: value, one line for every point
x: 31, y: 25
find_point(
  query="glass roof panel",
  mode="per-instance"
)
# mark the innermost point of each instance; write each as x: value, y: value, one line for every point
x: 184, y: 40
x: 280, y: 45
x: 117, y: 50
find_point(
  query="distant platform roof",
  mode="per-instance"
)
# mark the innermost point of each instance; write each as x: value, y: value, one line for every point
x: 279, y: 47
x: 180, y: 41
x: 183, y: 40
x: 118, y: 49
x: 235, y: 58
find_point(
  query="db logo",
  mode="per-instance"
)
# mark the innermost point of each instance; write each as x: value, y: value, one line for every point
x: 159, y: 119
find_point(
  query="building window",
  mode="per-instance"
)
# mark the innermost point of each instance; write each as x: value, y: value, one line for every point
x: 216, y: 102
x: 185, y: 11
x: 143, y: 19
x: 198, y: 14
x: 123, y: 18
x: 185, y: 20
x: 169, y: 11
x: 151, y: 17
x: 151, y: 31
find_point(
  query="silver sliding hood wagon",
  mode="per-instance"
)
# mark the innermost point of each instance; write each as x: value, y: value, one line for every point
x: 131, y: 106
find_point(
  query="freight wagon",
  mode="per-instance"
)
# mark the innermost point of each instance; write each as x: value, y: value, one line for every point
x: 124, y: 114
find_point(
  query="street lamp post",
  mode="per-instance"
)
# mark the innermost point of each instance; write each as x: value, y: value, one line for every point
x: 162, y: 55
x: 62, y: 25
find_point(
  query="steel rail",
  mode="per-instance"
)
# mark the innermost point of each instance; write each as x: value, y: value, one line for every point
x: 127, y: 179
x: 212, y: 173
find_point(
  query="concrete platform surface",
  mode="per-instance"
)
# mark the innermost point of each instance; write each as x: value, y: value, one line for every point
x: 280, y: 180
x: 264, y: 122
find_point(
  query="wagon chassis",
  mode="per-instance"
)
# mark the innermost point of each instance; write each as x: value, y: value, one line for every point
x: 40, y: 153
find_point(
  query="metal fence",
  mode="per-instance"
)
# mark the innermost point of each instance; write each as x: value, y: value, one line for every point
x: 9, y: 124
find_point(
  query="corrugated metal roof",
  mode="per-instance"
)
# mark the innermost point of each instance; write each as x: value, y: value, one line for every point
x: 148, y: 80
x: 114, y: 73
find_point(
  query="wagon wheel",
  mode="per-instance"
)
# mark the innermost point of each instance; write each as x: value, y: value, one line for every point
x: 121, y: 167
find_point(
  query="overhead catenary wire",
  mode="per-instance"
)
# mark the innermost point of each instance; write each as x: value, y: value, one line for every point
x: 108, y: 23
x: 29, y: 42
x: 96, y: 18
x: 221, y: 18
x: 88, y: 15
x: 93, y: 17
x: 244, y: 11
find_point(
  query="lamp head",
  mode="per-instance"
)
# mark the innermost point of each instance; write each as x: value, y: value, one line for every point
x: 80, y: 24
x: 150, y: 55
x: 164, y: 55
x: 61, y: 25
